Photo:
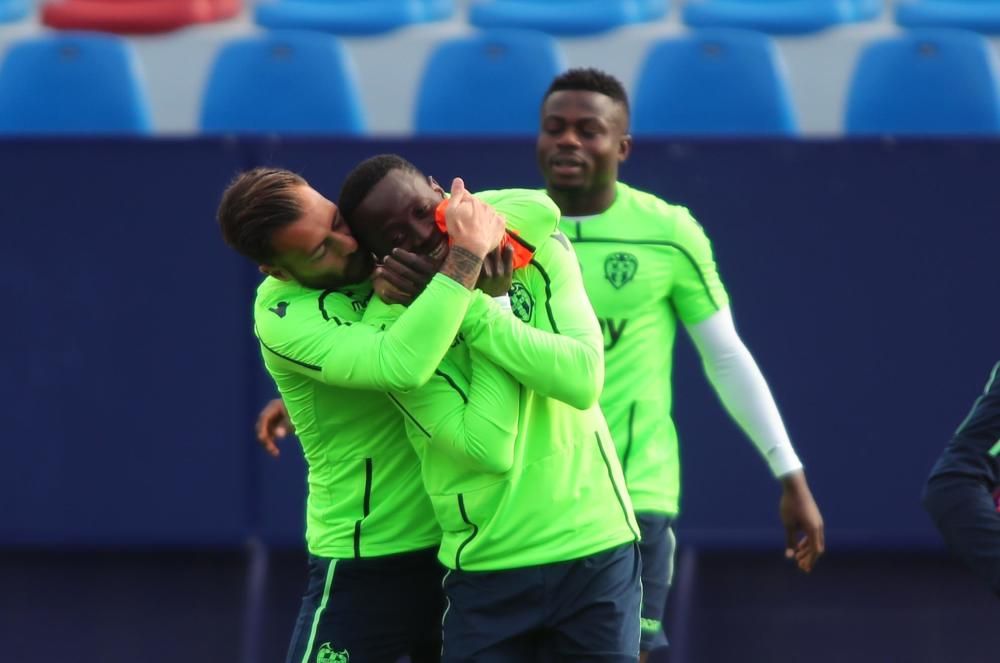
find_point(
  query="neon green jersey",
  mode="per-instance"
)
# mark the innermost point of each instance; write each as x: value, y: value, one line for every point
x: 518, y: 478
x: 365, y: 494
x: 645, y: 264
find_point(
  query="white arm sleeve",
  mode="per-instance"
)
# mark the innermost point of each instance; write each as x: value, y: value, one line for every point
x: 742, y: 389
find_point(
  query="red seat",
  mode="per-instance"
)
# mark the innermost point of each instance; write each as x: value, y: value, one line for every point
x: 226, y: 8
x: 135, y: 16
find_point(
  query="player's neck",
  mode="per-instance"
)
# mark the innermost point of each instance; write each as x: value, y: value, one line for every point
x: 583, y: 203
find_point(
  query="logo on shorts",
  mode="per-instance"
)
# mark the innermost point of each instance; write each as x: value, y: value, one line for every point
x: 521, y: 302
x: 620, y: 268
x: 327, y: 655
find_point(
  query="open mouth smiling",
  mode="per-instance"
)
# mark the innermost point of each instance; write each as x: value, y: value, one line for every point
x: 566, y: 163
x: 439, y: 250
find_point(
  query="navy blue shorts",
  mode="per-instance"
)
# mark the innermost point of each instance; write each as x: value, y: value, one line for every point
x: 371, y: 610
x: 657, y: 549
x: 965, y: 511
x: 581, y: 610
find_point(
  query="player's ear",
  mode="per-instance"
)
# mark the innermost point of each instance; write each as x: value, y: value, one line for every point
x: 276, y: 272
x: 434, y: 185
x: 624, y: 147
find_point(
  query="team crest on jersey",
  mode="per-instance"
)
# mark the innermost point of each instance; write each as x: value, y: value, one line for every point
x: 327, y: 655
x: 521, y: 302
x: 620, y: 268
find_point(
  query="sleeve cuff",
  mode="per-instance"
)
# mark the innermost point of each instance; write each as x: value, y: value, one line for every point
x: 783, y: 460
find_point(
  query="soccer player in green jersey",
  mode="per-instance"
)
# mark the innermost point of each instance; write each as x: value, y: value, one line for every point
x: 538, y: 531
x: 374, y: 590
x: 647, y: 267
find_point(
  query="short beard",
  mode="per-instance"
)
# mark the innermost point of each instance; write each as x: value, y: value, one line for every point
x: 331, y: 281
x: 567, y: 188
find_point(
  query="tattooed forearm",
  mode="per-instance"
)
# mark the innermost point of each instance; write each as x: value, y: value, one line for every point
x: 463, y: 266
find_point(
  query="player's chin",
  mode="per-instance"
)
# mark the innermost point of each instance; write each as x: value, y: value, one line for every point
x: 565, y: 182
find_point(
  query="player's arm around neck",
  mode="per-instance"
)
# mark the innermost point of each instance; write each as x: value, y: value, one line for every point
x: 328, y: 347
x: 319, y: 336
x: 405, y: 356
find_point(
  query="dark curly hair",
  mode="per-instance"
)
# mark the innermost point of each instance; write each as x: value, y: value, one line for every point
x: 590, y: 80
x: 363, y: 178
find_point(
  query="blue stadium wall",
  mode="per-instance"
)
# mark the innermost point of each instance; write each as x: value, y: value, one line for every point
x: 863, y: 277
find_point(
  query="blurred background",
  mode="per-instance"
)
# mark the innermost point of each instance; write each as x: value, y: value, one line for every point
x: 841, y: 154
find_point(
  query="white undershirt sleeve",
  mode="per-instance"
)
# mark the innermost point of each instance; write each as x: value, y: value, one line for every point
x: 742, y: 389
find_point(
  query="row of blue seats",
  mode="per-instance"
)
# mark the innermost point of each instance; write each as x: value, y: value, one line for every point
x: 576, y: 17
x: 723, y: 82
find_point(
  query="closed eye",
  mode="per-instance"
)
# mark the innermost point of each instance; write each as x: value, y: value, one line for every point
x: 318, y: 254
x: 337, y: 221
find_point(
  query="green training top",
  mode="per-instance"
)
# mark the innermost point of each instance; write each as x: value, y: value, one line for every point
x: 365, y: 494
x: 645, y: 263
x: 518, y: 478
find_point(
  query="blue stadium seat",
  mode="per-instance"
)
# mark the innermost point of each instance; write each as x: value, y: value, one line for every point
x: 729, y: 82
x: 564, y: 17
x: 438, y: 10
x: 779, y: 16
x: 72, y: 83
x: 489, y: 83
x: 926, y: 82
x: 283, y: 82
x: 13, y: 10
x: 351, y: 17
x: 981, y: 15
